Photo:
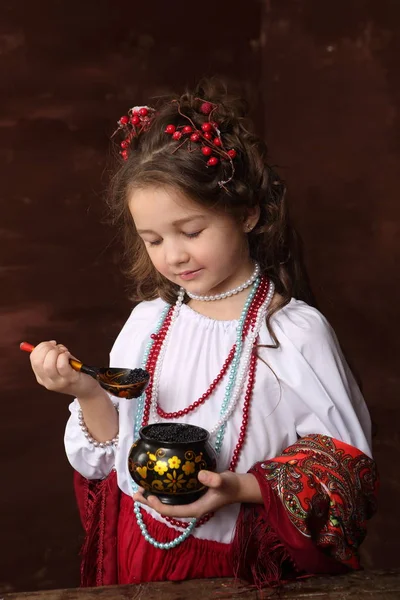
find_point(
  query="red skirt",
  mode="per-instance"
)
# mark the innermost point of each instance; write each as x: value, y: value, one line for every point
x: 139, y: 561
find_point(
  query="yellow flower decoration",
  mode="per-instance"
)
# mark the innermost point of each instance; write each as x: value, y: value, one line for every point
x: 188, y: 467
x: 174, y: 462
x: 161, y: 467
x: 174, y: 482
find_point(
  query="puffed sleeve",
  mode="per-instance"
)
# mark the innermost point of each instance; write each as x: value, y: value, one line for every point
x: 318, y: 387
x: 92, y: 462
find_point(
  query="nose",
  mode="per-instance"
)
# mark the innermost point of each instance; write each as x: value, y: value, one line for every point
x: 175, y: 254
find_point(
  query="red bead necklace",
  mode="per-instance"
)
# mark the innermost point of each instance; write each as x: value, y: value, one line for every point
x: 250, y: 321
x: 150, y: 367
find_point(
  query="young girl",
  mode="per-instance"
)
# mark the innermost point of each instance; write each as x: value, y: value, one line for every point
x: 231, y: 346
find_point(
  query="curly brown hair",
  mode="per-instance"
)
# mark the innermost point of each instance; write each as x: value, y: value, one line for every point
x: 273, y: 243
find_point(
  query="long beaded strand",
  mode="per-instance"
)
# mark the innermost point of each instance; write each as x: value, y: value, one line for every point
x: 138, y: 421
x: 192, y: 523
x: 226, y: 405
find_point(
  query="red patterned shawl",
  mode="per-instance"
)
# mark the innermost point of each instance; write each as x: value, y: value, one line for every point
x: 317, y: 497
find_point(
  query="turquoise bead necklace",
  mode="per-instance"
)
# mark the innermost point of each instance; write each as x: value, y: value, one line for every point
x: 221, y: 431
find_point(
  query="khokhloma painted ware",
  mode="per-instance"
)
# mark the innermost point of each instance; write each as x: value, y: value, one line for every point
x: 167, y: 458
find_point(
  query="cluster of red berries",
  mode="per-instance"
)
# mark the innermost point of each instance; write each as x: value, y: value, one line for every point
x: 137, y: 120
x: 208, y: 136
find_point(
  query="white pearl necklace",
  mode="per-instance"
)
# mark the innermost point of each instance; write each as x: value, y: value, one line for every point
x: 236, y: 290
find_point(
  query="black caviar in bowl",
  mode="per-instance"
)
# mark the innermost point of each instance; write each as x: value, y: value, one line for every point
x: 167, y: 458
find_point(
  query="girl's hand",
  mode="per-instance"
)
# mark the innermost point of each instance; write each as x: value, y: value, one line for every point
x: 50, y: 364
x: 224, y: 488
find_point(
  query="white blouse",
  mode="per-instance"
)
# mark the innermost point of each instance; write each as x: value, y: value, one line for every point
x: 306, y: 388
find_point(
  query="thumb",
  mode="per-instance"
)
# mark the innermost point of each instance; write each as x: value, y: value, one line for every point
x: 210, y: 479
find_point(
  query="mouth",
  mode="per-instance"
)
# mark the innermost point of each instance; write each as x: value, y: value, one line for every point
x: 188, y: 274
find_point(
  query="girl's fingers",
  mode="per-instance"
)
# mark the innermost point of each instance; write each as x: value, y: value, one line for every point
x: 166, y: 510
x: 141, y: 496
x: 211, y: 479
x: 57, y: 356
x: 39, y: 380
x: 40, y: 351
x: 49, y: 365
x: 38, y: 356
x: 63, y: 367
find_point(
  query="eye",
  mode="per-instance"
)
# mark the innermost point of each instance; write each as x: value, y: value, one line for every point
x: 156, y: 243
x: 192, y: 235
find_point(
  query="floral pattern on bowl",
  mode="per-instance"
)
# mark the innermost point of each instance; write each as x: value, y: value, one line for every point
x: 169, y: 470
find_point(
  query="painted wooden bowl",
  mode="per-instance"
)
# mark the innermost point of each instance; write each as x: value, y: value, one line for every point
x: 167, y: 458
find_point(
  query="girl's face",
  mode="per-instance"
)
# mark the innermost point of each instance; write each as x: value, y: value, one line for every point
x: 191, y: 245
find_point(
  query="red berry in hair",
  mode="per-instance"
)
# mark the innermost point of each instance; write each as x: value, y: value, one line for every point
x: 232, y: 153
x: 212, y: 161
x: 135, y: 120
x: 124, y: 144
x: 143, y: 112
x: 206, y: 127
x: 124, y: 120
x: 187, y: 129
x: 214, y: 124
x: 124, y: 154
x: 217, y: 141
x: 195, y: 137
x: 206, y: 108
x: 207, y: 135
x: 177, y: 135
x: 206, y: 150
x: 170, y: 129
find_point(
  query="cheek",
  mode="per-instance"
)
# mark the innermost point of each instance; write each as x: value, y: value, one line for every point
x: 203, y: 253
x: 221, y: 249
x: 157, y: 258
x: 153, y: 255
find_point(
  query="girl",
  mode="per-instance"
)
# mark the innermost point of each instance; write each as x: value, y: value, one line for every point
x: 231, y: 345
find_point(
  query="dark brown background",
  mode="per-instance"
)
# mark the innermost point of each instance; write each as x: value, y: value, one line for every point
x: 323, y: 79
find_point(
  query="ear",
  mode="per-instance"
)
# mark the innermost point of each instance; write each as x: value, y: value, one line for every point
x: 251, y: 218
